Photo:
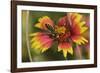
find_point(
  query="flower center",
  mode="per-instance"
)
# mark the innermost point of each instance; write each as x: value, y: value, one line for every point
x: 62, y: 33
x: 60, y: 29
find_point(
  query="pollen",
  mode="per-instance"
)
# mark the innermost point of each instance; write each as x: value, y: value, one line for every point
x: 60, y: 29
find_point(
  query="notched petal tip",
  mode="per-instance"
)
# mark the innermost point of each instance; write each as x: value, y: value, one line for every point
x: 44, y: 49
x: 79, y: 40
x: 65, y: 53
x: 70, y: 50
x: 66, y: 48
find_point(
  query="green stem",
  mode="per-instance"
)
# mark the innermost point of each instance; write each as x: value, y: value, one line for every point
x: 27, y: 38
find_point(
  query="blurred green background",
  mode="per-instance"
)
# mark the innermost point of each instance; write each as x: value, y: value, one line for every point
x: 51, y: 54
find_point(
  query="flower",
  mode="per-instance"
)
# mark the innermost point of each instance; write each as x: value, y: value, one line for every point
x: 67, y: 31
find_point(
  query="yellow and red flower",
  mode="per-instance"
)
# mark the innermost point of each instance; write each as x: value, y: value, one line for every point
x: 67, y: 31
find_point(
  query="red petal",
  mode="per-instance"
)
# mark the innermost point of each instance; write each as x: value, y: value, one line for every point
x: 62, y: 21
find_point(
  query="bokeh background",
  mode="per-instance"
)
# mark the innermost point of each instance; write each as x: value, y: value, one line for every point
x: 51, y: 54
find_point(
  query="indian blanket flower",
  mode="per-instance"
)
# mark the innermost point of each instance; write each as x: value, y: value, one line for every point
x: 67, y: 31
